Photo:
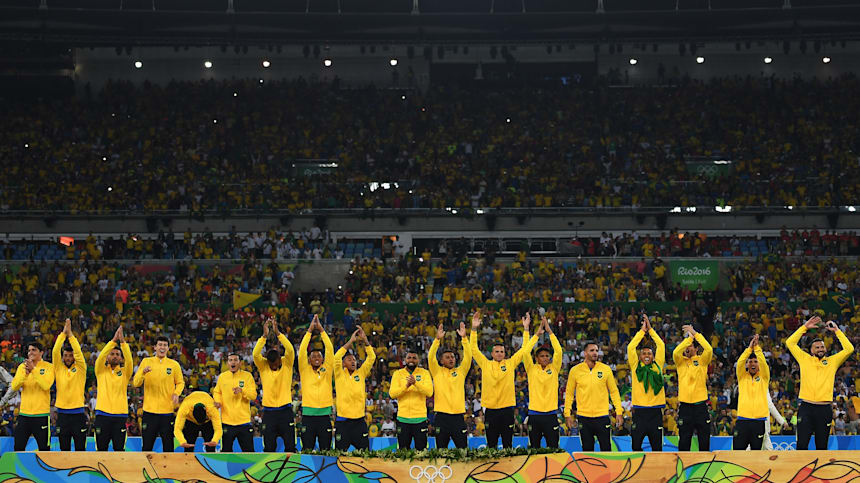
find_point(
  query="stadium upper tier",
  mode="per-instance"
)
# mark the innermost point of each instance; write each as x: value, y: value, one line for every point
x: 296, y: 146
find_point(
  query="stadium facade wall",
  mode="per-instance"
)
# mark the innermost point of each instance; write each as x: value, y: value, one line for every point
x: 362, y: 222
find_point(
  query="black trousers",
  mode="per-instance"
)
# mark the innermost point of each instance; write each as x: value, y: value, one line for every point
x: 351, y: 432
x: 694, y: 418
x: 279, y: 423
x: 39, y: 427
x: 813, y: 419
x: 543, y: 426
x: 409, y: 432
x: 316, y: 429
x: 500, y: 423
x: 191, y: 430
x: 110, y: 428
x: 648, y: 422
x: 72, y: 427
x: 155, y: 426
x: 748, y: 432
x: 595, y: 428
x: 450, y: 427
x: 244, y: 433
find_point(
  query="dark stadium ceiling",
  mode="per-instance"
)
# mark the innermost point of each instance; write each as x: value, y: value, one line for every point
x: 195, y: 22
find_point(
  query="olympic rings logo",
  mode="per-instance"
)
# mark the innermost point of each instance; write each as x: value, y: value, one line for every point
x: 430, y: 473
x: 785, y: 446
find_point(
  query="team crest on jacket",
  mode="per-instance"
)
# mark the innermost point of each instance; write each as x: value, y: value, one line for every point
x: 169, y: 371
x: 417, y: 378
x: 241, y: 383
x: 695, y: 363
x: 322, y: 369
x: 119, y: 372
x: 600, y: 374
x: 824, y: 362
x: 454, y: 374
x: 41, y: 372
x: 355, y: 377
x: 504, y: 368
x: 549, y: 371
x: 757, y: 379
x: 74, y: 369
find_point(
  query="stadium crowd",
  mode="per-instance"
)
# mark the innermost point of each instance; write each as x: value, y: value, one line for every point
x: 190, y: 305
x: 239, y: 145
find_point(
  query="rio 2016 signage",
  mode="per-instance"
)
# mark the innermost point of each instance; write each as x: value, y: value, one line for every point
x: 692, y: 273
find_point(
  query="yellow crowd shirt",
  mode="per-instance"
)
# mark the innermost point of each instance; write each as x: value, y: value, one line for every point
x: 817, y: 375
x: 69, y: 380
x: 35, y: 389
x: 277, y: 385
x: 497, y: 378
x: 351, y: 388
x: 186, y: 413
x: 112, y: 395
x: 316, y: 384
x: 449, y: 384
x: 160, y: 384
x: 543, y: 383
x: 641, y: 398
x: 235, y: 408
x: 752, y: 390
x: 693, y: 371
x: 412, y: 400
x: 592, y: 389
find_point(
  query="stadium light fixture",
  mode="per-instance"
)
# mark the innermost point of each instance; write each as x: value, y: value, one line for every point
x: 633, y: 61
x: 138, y: 64
x: 700, y: 60
x: 393, y: 62
x: 723, y: 209
x: 825, y: 59
x: 768, y: 60
x: 207, y: 64
x: 327, y: 62
x: 266, y: 64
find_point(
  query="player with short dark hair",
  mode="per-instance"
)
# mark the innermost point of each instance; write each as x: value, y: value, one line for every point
x: 449, y: 381
x: 276, y: 377
x: 162, y: 381
x: 649, y: 395
x: 70, y: 375
x: 817, y: 375
x: 316, y: 371
x: 34, y: 377
x: 349, y: 380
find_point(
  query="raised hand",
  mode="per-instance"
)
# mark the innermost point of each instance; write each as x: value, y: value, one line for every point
x: 831, y: 326
x: 812, y: 322
x: 117, y: 335
x: 527, y: 321
x: 462, y: 330
x: 646, y: 324
x: 363, y: 335
x: 315, y: 323
x: 754, y: 342
x: 67, y: 328
x: 688, y: 330
x: 121, y: 335
x: 275, y: 326
x: 545, y: 325
x: 440, y: 332
x: 266, y: 329
x: 476, y: 319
